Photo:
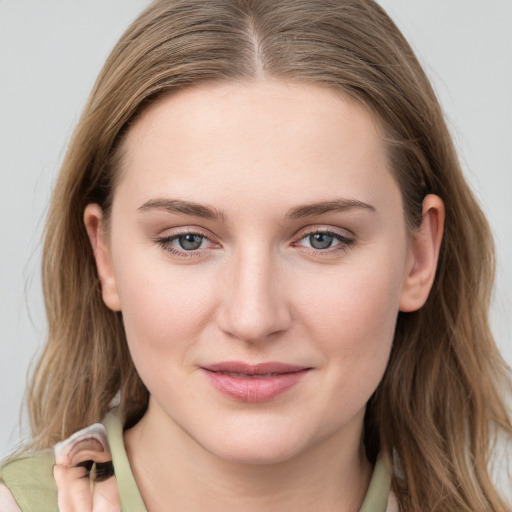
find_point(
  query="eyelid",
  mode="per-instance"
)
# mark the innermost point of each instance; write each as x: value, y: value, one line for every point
x: 322, y: 228
x: 165, y: 241
x: 345, y: 240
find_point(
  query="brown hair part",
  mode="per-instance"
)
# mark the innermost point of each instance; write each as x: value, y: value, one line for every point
x: 439, y: 405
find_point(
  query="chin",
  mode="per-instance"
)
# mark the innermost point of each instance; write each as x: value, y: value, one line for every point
x: 258, y: 451
x: 249, y: 441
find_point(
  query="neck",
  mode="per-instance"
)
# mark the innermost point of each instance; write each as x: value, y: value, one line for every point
x: 174, y: 472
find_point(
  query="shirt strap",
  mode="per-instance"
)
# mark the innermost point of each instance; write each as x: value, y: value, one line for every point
x: 131, y: 500
x: 376, y: 499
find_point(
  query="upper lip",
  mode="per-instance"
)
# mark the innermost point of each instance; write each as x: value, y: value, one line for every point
x: 254, y: 369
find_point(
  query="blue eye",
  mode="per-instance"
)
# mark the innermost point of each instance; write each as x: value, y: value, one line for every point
x: 325, y: 240
x: 321, y: 240
x: 190, y: 241
x: 186, y: 244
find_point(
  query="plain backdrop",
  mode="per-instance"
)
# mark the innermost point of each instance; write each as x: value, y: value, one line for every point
x: 50, y: 54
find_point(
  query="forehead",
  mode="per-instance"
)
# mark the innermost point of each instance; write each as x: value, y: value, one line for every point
x: 260, y: 137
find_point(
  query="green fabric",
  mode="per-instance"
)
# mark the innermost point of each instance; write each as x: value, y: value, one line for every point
x: 378, y: 491
x: 131, y: 500
x: 29, y: 477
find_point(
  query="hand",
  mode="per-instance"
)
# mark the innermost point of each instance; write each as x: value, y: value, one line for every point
x: 84, y: 473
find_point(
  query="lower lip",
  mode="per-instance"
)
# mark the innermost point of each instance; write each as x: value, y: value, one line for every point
x: 254, y: 389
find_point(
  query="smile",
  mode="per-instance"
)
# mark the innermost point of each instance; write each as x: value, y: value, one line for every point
x: 253, y: 383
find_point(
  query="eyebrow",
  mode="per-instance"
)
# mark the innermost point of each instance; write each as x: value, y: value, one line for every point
x: 209, y: 212
x: 183, y: 207
x: 338, y: 205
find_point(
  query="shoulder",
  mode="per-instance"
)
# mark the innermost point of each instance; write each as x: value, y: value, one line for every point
x: 27, y: 480
x: 7, y: 501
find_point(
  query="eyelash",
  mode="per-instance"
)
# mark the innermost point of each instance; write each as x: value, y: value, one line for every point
x: 345, y: 242
x: 166, y: 244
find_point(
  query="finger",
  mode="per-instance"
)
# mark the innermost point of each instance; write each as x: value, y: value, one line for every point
x: 106, y: 496
x: 73, y: 488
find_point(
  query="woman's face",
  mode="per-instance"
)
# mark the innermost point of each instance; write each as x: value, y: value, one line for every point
x: 258, y: 252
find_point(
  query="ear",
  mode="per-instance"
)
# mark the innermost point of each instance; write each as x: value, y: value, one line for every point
x: 93, y: 218
x: 424, y: 246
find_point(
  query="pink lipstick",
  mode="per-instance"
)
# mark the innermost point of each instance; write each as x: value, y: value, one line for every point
x: 253, y: 383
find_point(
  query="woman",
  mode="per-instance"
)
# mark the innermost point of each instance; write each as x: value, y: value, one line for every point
x: 245, y: 250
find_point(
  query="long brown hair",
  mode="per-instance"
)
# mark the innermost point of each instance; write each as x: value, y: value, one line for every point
x: 439, y: 405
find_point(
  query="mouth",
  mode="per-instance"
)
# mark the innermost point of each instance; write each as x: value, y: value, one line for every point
x: 253, y: 383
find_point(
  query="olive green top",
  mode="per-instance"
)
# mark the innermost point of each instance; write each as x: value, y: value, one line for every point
x: 29, y: 477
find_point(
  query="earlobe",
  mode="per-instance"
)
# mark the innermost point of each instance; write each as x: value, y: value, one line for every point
x: 424, y: 247
x: 93, y: 218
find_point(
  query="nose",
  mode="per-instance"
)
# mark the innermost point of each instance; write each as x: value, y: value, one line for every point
x: 254, y: 306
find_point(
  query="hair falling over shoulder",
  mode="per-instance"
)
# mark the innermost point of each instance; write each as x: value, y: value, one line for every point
x: 441, y: 404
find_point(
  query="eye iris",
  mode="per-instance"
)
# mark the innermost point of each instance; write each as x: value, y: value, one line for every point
x: 190, y: 241
x: 320, y: 240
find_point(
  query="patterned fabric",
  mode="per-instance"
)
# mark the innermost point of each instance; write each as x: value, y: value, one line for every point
x: 90, y: 471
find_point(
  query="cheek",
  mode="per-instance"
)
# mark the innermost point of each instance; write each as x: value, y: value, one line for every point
x: 360, y: 299
x: 163, y: 316
x: 163, y: 307
x: 353, y: 315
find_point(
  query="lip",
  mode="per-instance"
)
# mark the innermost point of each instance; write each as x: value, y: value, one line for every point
x: 253, y: 383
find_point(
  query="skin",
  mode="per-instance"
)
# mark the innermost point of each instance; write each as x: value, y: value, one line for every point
x: 257, y: 290
x: 77, y: 489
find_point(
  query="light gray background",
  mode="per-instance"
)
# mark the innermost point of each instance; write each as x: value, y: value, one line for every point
x: 50, y: 54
